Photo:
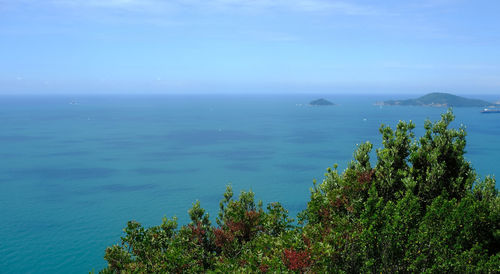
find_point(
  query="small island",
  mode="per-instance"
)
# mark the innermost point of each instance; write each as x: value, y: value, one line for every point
x: 321, y: 102
x: 438, y: 99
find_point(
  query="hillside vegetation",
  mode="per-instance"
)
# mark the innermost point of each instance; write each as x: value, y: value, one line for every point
x: 420, y: 208
x: 440, y: 99
x: 321, y: 102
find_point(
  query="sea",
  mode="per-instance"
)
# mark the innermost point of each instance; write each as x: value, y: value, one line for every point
x: 74, y: 169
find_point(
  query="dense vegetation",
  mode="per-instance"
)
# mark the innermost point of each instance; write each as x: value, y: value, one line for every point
x: 440, y: 99
x: 421, y: 208
x: 321, y: 102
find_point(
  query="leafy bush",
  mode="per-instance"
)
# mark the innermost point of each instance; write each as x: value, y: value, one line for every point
x: 421, y: 208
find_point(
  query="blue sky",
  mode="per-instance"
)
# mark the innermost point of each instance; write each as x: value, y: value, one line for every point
x: 199, y: 46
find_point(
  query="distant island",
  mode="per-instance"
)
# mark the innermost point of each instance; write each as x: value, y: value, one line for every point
x: 438, y: 99
x: 321, y: 102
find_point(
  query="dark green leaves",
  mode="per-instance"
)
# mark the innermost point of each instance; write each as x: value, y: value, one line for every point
x: 419, y: 209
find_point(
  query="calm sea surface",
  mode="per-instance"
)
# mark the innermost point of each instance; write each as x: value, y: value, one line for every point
x: 72, y: 175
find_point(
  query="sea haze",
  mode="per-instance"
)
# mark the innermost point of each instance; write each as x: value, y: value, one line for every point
x: 75, y: 169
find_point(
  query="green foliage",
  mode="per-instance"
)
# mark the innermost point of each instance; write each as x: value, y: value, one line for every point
x: 440, y: 99
x: 421, y: 208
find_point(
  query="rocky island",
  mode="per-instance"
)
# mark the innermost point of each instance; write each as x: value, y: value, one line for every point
x: 321, y: 102
x: 438, y: 99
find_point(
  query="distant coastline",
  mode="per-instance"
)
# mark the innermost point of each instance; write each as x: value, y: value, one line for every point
x: 438, y: 100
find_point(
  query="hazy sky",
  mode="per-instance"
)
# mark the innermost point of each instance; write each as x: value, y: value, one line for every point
x: 139, y: 46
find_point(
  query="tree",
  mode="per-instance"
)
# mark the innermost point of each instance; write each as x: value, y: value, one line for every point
x: 420, y: 208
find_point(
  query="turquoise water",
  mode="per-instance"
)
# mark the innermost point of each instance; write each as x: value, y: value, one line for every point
x: 72, y: 175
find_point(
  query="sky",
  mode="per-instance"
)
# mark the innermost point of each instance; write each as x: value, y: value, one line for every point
x: 249, y: 46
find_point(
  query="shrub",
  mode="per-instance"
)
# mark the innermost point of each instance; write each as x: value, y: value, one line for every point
x: 420, y: 208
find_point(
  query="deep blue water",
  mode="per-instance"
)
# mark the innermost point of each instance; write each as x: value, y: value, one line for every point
x: 72, y: 175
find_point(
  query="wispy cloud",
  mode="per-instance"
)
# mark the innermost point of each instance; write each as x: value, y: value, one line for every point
x: 331, y: 6
x: 271, y: 36
x: 434, y: 3
x: 133, y: 5
x: 399, y: 65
